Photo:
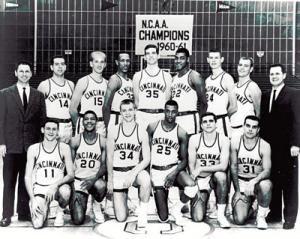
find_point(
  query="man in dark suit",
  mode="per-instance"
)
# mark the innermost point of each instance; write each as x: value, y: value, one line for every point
x: 281, y: 128
x: 22, y: 113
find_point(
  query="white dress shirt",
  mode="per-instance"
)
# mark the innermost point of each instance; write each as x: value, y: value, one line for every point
x: 278, y: 89
x: 20, y: 90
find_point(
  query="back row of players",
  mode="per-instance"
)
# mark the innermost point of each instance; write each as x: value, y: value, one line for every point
x: 149, y: 125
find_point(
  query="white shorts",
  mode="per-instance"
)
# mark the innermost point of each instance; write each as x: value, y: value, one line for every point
x: 65, y: 132
x: 190, y: 123
x: 100, y: 127
x: 158, y: 177
x: 243, y: 185
x: 144, y: 118
x: 77, y: 186
x: 40, y: 190
x: 223, y: 126
x: 204, y: 184
x: 237, y: 132
x: 119, y: 179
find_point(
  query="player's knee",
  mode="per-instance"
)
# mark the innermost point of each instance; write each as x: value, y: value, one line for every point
x: 38, y: 223
x: 265, y: 186
x: 220, y: 177
x: 78, y: 219
x: 121, y: 217
x: 163, y: 217
x: 144, y: 179
x: 64, y: 194
x: 197, y: 217
x: 238, y: 218
x: 100, y: 185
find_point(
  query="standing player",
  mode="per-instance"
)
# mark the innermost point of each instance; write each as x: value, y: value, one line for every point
x: 250, y: 170
x: 119, y: 88
x: 188, y: 90
x: 168, y: 163
x: 151, y: 88
x: 208, y: 162
x: 248, y: 96
x: 89, y: 93
x: 58, y: 93
x: 45, y: 176
x: 126, y: 141
x: 221, y: 97
x: 88, y: 150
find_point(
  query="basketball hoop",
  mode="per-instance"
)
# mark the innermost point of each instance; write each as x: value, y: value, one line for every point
x: 260, y: 54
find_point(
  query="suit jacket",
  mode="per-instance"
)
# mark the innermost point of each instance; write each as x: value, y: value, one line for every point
x: 18, y: 128
x: 281, y: 127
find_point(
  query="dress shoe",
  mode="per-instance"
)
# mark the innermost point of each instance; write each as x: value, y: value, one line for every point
x: 288, y: 225
x: 24, y: 218
x: 5, y: 222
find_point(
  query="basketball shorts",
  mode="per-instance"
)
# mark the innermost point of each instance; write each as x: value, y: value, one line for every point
x: 40, y: 190
x: 144, y: 118
x: 205, y: 183
x: 65, y: 132
x: 114, y: 119
x: 119, y: 177
x: 77, y: 187
x: 159, y: 173
x: 243, y: 185
x: 190, y: 123
x: 100, y: 127
x: 237, y: 131
x: 223, y: 125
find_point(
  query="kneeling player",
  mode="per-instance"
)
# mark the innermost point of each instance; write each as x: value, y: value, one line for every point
x: 208, y: 162
x: 125, y: 143
x: 168, y: 163
x: 88, y: 149
x: 44, y: 177
x: 250, y: 170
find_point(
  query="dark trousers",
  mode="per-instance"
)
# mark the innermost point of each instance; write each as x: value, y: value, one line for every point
x: 14, y: 165
x: 285, y: 185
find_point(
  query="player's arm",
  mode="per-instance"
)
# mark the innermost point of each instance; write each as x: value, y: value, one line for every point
x: 110, y: 145
x: 102, y: 169
x: 255, y: 94
x: 192, y: 149
x: 168, y: 79
x: 31, y: 154
x: 135, y: 83
x: 44, y: 88
x: 234, y: 163
x: 199, y: 85
x: 114, y: 84
x: 71, y: 84
x: 66, y: 154
x: 76, y: 97
x: 145, y: 152
x: 232, y: 101
x: 74, y: 144
x: 150, y: 130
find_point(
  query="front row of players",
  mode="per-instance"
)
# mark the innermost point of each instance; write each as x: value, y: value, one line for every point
x: 130, y: 149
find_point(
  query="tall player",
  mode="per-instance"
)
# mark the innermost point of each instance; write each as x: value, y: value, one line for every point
x: 208, y: 162
x: 58, y: 93
x: 89, y: 93
x: 125, y: 142
x: 168, y: 162
x: 45, y: 177
x: 88, y: 151
x: 119, y: 88
x: 250, y: 170
x: 248, y: 96
x: 188, y: 90
x: 220, y: 92
x: 151, y: 88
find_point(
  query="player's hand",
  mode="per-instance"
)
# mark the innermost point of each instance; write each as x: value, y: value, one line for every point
x: 50, y: 195
x: 35, y: 208
x: 87, y: 183
x: 249, y: 190
x: 110, y: 187
x: 295, y: 151
x: 170, y: 179
x: 2, y: 150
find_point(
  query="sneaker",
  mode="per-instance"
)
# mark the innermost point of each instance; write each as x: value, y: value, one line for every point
x: 98, y: 215
x: 223, y: 222
x: 59, y: 220
x: 177, y: 215
x: 261, y: 223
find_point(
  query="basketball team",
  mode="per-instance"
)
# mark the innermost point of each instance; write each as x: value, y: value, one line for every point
x: 154, y: 132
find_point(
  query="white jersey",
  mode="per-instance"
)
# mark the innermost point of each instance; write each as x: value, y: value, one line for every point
x: 165, y: 146
x: 249, y: 160
x: 49, y: 167
x: 58, y: 100
x: 152, y: 90
x: 127, y: 148
x: 93, y: 96
x: 125, y: 92
x: 183, y: 93
x: 245, y: 105
x: 88, y: 158
x: 208, y: 154
x: 217, y: 96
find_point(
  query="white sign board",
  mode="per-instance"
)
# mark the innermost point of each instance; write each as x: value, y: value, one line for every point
x: 168, y: 32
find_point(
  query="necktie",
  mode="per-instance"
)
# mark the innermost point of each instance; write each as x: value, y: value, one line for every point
x: 24, y: 99
x: 273, y: 100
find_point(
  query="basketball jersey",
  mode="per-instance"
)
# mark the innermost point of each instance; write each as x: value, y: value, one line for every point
x: 217, y: 97
x: 245, y: 105
x: 249, y: 160
x: 93, y: 96
x: 58, y: 100
x: 165, y: 146
x: 88, y: 158
x: 49, y: 167
x: 208, y: 154
x: 127, y: 148
x: 125, y: 92
x: 183, y: 93
x: 152, y: 90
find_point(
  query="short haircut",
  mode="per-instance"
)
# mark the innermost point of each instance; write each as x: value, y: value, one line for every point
x: 183, y: 50
x: 90, y: 112
x: 51, y: 120
x: 91, y: 58
x: 249, y: 59
x: 23, y: 63
x: 55, y: 57
x: 151, y: 46
x: 127, y: 102
x: 172, y: 103
x: 252, y: 117
x: 215, y: 50
x: 208, y: 114
x: 117, y: 54
x: 278, y: 65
